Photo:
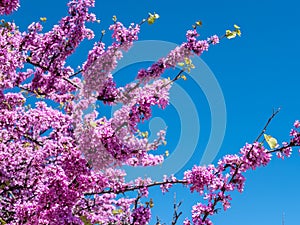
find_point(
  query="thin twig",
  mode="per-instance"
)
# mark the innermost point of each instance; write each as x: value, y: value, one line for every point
x: 133, y: 188
x: 267, y: 124
x: 176, y: 215
x: 71, y: 82
x: 74, y: 74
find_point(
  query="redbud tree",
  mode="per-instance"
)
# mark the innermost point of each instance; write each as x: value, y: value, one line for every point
x: 60, y: 159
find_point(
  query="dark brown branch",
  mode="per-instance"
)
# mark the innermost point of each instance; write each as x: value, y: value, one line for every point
x: 174, y: 79
x: 100, y: 98
x: 35, y: 64
x: 71, y: 82
x: 176, y: 215
x: 46, y: 69
x: 76, y: 73
x: 33, y: 92
x: 33, y: 140
x: 133, y: 188
x: 282, y: 148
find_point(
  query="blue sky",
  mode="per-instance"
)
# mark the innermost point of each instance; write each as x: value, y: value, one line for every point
x: 256, y: 73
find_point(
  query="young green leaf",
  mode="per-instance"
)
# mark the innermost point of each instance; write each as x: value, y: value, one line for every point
x: 272, y: 142
x: 152, y: 17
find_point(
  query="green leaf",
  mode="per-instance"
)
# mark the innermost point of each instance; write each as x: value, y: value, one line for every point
x: 183, y: 77
x: 199, y: 23
x: 117, y: 211
x: 152, y: 18
x: 93, y: 124
x: 181, y: 64
x: 236, y: 26
x: 43, y: 19
x: 272, y: 142
x: 145, y: 134
x: 2, y: 222
x: 85, y: 220
x: 230, y: 34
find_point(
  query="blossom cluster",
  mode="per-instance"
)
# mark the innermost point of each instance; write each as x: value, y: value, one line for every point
x: 100, y: 63
x: 214, y: 183
x: 8, y: 6
x: 177, y: 55
x: 118, y: 140
x: 48, y: 51
x: 11, y: 58
x: 295, y: 134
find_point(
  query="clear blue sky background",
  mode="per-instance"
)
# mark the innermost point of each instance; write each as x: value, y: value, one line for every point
x: 257, y: 73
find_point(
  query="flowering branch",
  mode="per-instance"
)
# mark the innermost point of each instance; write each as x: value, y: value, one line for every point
x: 62, y: 165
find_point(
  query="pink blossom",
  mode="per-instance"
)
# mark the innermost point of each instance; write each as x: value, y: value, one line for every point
x: 8, y: 6
x: 214, y: 39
